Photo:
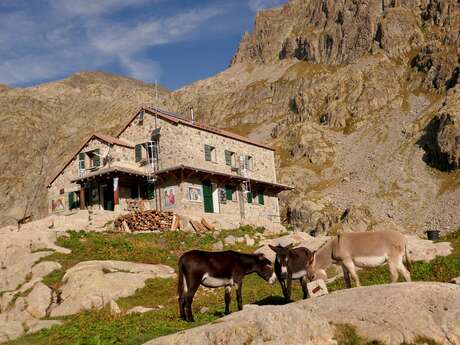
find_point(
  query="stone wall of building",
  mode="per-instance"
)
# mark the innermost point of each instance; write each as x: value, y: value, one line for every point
x: 59, y: 189
x: 182, y: 144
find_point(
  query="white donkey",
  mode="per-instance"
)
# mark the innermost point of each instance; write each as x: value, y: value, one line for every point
x: 361, y: 249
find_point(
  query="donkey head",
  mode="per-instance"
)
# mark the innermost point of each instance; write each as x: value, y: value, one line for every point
x: 282, y: 254
x: 314, y: 272
x: 263, y: 267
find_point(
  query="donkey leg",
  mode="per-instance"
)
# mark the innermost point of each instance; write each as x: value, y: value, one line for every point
x: 403, y: 270
x: 350, y: 266
x: 283, y: 288
x: 188, y: 299
x: 182, y: 306
x: 346, y: 277
x: 288, y: 288
x: 303, y: 282
x: 228, y: 297
x: 393, y: 271
x: 239, y: 295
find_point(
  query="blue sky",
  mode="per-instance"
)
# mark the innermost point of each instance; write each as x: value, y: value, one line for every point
x: 172, y: 41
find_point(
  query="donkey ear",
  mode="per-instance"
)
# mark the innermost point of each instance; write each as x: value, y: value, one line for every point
x: 275, y: 249
x: 312, y: 258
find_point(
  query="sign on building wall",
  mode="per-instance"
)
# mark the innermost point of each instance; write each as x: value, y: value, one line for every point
x: 58, y: 204
x: 194, y: 194
x: 170, y: 197
x: 222, y: 196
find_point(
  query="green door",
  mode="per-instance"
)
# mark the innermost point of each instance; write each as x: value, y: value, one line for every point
x: 207, y: 197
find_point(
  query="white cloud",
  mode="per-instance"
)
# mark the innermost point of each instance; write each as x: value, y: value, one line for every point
x: 91, y: 7
x: 141, y: 68
x: 257, y: 5
x: 43, y: 46
x: 128, y: 37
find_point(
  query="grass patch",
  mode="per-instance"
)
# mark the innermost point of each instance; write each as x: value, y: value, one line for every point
x: 346, y: 334
x: 100, y: 327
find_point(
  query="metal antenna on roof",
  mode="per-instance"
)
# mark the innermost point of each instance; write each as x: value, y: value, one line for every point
x: 192, y: 114
x: 156, y: 92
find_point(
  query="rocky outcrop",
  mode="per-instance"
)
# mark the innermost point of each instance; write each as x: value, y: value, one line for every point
x: 378, y: 312
x: 441, y: 139
x: 93, y: 284
x: 341, y: 32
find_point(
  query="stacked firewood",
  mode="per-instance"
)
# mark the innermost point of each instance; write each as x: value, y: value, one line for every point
x: 151, y: 220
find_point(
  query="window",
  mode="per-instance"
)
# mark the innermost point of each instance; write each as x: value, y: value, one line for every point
x: 249, y: 197
x: 138, y: 152
x: 89, y: 160
x: 258, y: 197
x: 230, y: 192
x: 230, y: 158
x: 210, y: 153
x: 152, y: 151
x: 248, y: 162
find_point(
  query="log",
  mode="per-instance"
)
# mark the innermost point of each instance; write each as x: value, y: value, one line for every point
x: 207, y: 225
x: 197, y: 226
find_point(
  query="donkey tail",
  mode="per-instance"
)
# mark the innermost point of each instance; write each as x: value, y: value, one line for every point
x: 408, y: 260
x: 180, y: 283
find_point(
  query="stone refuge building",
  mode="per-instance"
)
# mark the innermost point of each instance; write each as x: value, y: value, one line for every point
x: 160, y: 160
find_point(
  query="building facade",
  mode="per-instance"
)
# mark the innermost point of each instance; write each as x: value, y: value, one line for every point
x: 162, y: 161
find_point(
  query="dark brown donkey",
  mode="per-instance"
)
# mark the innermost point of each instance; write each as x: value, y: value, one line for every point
x: 217, y: 269
x: 291, y: 264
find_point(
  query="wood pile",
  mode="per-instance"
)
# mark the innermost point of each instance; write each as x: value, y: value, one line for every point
x: 151, y: 220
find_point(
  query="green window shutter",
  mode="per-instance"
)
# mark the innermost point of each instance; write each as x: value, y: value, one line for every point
x: 97, y: 158
x: 138, y: 152
x: 151, y: 191
x: 207, y: 152
x: 249, y: 196
x: 81, y: 161
x: 228, y: 157
x: 71, y: 201
x: 229, y: 192
x: 261, y: 197
x: 207, y: 197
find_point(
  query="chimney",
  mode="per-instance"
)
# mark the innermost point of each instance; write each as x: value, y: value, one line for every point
x: 192, y: 114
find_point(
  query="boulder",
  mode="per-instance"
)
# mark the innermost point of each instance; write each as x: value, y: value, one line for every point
x: 139, y: 310
x: 93, y: 284
x: 455, y: 281
x: 218, y: 246
x: 10, y: 330
x: 38, y: 300
x: 44, y: 268
x: 114, y: 308
x: 392, y: 314
x: 230, y: 240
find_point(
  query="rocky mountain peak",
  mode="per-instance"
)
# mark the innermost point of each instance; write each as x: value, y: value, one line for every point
x: 340, y: 32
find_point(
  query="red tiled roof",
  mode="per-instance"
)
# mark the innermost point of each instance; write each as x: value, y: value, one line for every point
x: 112, y: 140
x: 178, y: 119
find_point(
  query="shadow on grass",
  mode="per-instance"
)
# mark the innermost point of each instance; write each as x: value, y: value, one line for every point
x: 271, y: 300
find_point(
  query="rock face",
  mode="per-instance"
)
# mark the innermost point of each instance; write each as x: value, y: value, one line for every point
x: 378, y: 312
x: 93, y: 284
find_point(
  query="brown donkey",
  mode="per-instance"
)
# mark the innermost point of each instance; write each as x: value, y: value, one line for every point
x: 217, y: 269
x: 361, y: 249
x: 291, y: 264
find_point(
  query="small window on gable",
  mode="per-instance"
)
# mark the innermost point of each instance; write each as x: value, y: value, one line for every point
x: 210, y: 153
x: 89, y: 159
